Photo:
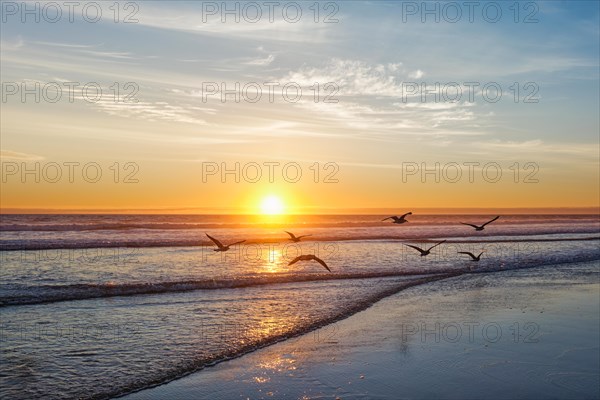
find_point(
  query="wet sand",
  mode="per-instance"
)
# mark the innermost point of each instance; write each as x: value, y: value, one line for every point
x: 517, y: 334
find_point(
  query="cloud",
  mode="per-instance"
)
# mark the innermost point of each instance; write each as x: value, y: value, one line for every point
x: 261, y: 61
x: 540, y: 149
x: 353, y: 77
x: 267, y: 28
x: 65, y: 45
x: 151, y: 111
x: 109, y: 54
x: 16, y: 44
x: 514, y: 145
x: 14, y: 155
x: 369, y: 98
x: 418, y: 74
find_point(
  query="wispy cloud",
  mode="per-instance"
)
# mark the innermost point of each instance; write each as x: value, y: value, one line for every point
x: 17, y: 156
x: 418, y: 74
x: 369, y: 99
x: 261, y: 61
x: 64, y: 45
x: 542, y: 149
x: 151, y: 111
x: 353, y: 77
x: 193, y: 21
x: 110, y: 54
x: 11, y: 45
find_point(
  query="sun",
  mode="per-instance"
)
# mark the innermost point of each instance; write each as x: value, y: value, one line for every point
x: 271, y: 205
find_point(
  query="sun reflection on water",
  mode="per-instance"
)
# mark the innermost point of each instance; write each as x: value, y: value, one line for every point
x: 273, y: 261
x: 279, y: 363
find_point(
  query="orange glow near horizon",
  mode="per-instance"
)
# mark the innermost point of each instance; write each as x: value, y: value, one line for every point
x: 360, y: 191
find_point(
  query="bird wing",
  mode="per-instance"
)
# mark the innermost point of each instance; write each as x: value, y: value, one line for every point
x: 215, y: 241
x: 300, y: 237
x: 317, y: 259
x: 295, y: 260
x: 435, y: 245
x: 408, y: 213
x: 241, y: 241
x: 490, y: 221
x: 416, y: 248
x: 388, y: 218
x: 474, y: 226
x: 480, y: 254
x: 291, y: 234
x: 469, y: 253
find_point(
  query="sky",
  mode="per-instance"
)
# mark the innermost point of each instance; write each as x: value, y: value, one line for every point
x: 386, y: 130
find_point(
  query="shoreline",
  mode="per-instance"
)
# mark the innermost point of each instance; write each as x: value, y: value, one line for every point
x: 547, y: 322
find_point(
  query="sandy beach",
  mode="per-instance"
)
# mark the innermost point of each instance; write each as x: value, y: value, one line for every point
x: 517, y: 334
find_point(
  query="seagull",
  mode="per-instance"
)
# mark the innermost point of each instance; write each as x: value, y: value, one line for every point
x: 295, y: 238
x: 398, y: 220
x: 480, y: 228
x: 220, y: 246
x: 424, y: 252
x: 308, y: 257
x: 471, y: 255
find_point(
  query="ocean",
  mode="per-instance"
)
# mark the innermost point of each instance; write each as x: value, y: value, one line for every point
x: 97, y: 306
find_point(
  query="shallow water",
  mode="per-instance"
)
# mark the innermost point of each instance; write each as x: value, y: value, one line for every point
x: 516, y: 334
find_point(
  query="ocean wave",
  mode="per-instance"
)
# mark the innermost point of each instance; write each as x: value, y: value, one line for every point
x: 114, y: 227
x: 57, y: 293
x: 123, y: 226
x: 124, y: 223
x: 39, y: 294
x: 82, y: 243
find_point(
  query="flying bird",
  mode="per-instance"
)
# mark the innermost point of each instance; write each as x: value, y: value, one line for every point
x: 471, y: 255
x: 309, y: 257
x: 398, y: 220
x: 295, y: 238
x: 220, y: 246
x: 424, y: 252
x: 480, y: 228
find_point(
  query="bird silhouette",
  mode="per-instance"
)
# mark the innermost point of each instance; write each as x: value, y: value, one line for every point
x: 424, y: 252
x: 220, y: 246
x: 398, y: 220
x: 295, y: 238
x: 471, y: 255
x: 480, y: 228
x: 309, y: 257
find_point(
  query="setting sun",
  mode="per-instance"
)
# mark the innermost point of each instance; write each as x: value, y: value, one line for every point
x: 271, y: 205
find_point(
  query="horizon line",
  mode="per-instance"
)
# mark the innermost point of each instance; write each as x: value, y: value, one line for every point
x: 306, y: 211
